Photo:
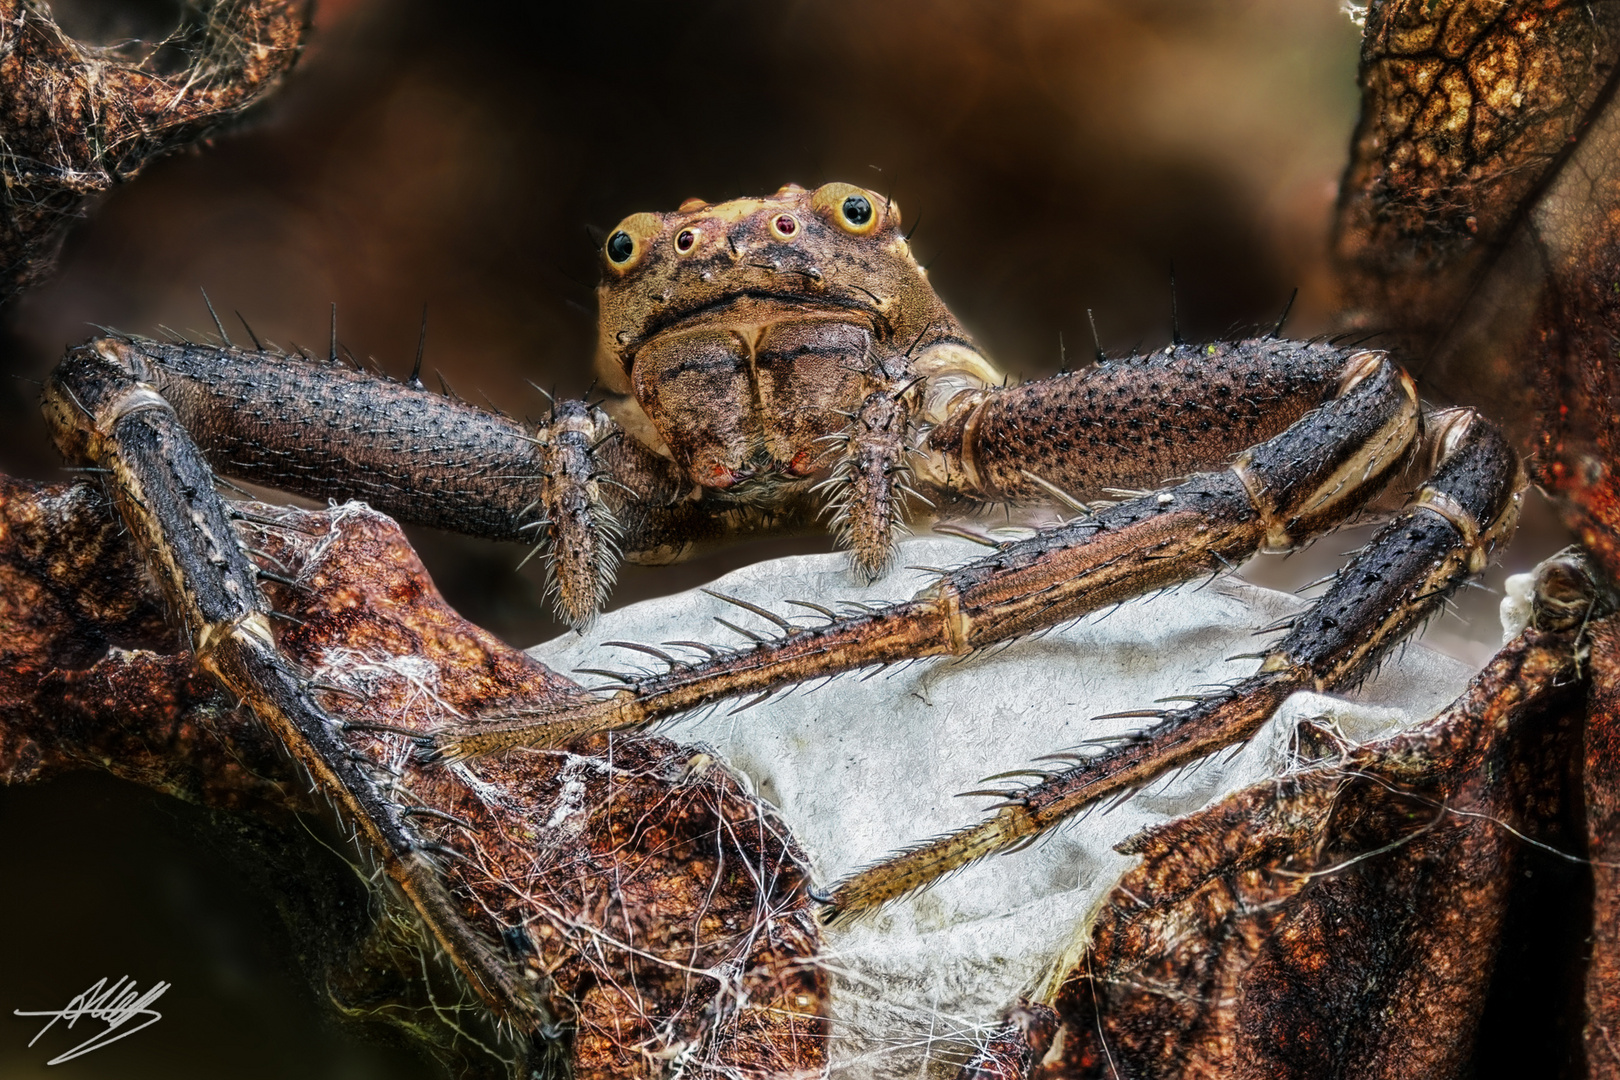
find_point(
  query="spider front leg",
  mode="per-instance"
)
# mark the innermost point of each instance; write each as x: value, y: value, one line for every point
x: 101, y: 411
x: 1308, y: 925
x: 1129, y: 423
x: 573, y: 485
x: 936, y: 425
x: 613, y: 938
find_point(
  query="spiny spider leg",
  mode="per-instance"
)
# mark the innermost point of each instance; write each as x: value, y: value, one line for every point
x: 572, y: 485
x: 1283, y: 875
x: 585, y: 491
x: 100, y: 412
x: 1275, y: 496
x: 1447, y: 532
x: 870, y: 483
x: 1125, y: 423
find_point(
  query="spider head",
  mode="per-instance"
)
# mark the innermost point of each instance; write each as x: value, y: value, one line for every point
x: 747, y: 333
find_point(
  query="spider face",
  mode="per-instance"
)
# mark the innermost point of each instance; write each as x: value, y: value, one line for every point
x: 749, y: 332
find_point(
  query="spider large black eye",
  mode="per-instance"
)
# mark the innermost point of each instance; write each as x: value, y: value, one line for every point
x: 857, y: 210
x: 620, y: 247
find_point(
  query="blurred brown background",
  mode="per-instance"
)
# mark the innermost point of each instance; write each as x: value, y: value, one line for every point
x: 1054, y: 156
x: 1057, y: 156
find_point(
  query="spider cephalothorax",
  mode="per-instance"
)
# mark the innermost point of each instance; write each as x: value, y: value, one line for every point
x: 761, y: 343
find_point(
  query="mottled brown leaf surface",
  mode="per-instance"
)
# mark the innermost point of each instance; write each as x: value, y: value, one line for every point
x: 90, y: 673
x: 1472, y: 113
x: 1480, y: 222
x: 1602, y: 1034
x: 657, y: 905
x: 76, y: 119
x: 1467, y: 108
x: 1363, y: 917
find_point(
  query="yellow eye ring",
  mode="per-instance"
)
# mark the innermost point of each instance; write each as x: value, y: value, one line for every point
x: 854, y: 210
x: 686, y: 241
x: 626, y: 246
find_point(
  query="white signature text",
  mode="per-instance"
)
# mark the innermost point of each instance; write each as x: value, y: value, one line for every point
x: 116, y: 1006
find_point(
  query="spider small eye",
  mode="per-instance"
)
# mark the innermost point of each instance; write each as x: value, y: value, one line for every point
x: 685, y: 240
x: 852, y: 209
x: 785, y: 226
x: 620, y: 247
